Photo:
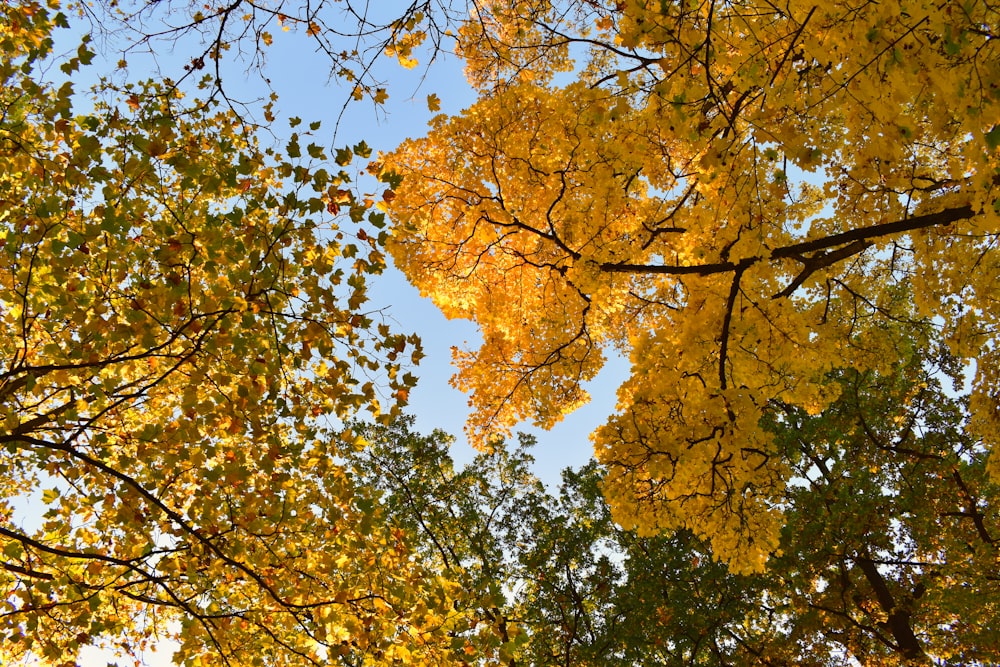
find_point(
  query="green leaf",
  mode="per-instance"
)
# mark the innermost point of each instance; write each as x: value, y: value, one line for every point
x: 13, y: 550
x: 83, y: 53
x: 362, y: 149
x: 293, y: 149
x: 993, y: 137
x: 393, y: 179
x: 344, y: 157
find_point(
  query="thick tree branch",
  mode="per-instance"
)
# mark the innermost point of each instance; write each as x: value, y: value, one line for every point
x: 11, y: 567
x: 939, y: 219
x: 728, y: 319
x: 691, y: 270
x: 898, y: 618
x: 821, y: 261
x: 856, y: 240
x: 972, y: 510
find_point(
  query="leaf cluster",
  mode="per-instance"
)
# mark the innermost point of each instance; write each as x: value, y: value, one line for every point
x: 738, y: 198
x: 889, y: 553
x: 183, y: 325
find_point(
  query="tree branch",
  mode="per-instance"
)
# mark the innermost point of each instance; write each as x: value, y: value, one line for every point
x: 941, y: 218
x: 898, y: 619
x: 856, y: 240
x: 728, y: 318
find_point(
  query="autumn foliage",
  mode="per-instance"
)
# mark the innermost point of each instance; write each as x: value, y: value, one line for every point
x: 887, y: 557
x: 182, y: 326
x: 784, y: 216
x: 737, y: 197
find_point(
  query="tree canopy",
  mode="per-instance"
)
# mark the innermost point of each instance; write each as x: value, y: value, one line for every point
x: 888, y: 555
x: 183, y: 327
x: 738, y: 197
x: 786, y: 217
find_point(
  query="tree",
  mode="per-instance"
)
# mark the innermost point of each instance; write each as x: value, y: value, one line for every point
x: 465, y: 523
x: 888, y: 556
x: 736, y: 196
x: 182, y: 325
